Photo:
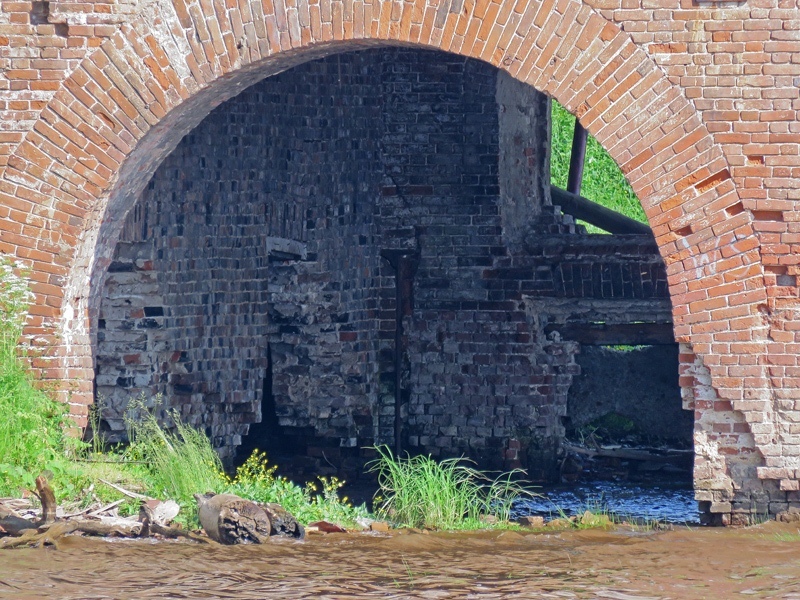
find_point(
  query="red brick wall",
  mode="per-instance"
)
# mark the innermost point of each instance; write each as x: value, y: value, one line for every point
x: 696, y: 102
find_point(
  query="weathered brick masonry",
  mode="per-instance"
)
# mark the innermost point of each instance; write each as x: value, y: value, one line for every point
x: 696, y: 102
x: 343, y: 159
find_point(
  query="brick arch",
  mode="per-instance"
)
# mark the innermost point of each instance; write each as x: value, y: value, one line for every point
x: 115, y: 117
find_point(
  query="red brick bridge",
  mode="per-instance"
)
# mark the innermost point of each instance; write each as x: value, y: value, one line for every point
x: 697, y: 102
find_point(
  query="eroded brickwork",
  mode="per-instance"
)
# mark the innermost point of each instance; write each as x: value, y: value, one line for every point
x: 267, y: 224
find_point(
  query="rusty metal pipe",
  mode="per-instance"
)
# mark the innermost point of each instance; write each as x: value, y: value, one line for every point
x: 577, y: 158
x: 405, y: 264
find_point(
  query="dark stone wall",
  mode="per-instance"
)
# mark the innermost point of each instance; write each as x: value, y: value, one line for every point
x: 347, y: 155
x: 261, y: 235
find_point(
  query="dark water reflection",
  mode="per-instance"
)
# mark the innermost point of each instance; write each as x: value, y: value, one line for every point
x: 670, y: 502
x: 686, y: 564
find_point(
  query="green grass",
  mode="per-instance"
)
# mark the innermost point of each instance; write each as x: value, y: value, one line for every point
x: 182, y: 462
x: 417, y: 491
x: 179, y: 463
x: 785, y: 536
x: 32, y: 430
x: 320, y: 501
x: 603, y: 181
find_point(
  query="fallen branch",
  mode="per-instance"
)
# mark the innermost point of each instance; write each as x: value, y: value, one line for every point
x: 630, y: 453
x: 15, y: 525
x: 50, y: 535
x: 125, y: 492
x: 48, y: 500
x: 105, y: 508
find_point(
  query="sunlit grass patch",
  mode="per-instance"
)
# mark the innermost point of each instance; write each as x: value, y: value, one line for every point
x: 603, y: 181
x: 32, y: 428
x: 418, y: 491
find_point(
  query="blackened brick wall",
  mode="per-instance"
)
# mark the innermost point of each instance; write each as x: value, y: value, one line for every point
x: 345, y: 157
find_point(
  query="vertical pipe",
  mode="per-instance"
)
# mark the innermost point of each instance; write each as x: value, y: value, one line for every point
x: 404, y: 263
x: 576, y: 159
x: 398, y: 354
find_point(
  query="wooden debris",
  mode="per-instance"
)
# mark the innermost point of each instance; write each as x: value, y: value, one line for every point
x: 283, y: 522
x: 152, y: 523
x: 48, y: 529
x: 229, y: 519
x: 326, y: 527
x: 644, y: 454
x: 158, y: 512
x: 125, y: 492
x: 226, y: 518
x: 48, y: 500
x: 15, y: 525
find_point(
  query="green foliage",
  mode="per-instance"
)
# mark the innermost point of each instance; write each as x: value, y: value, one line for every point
x: 603, y: 181
x: 180, y: 463
x: 257, y: 480
x: 170, y: 464
x: 183, y: 463
x: 613, y: 426
x: 32, y: 437
x: 420, y: 492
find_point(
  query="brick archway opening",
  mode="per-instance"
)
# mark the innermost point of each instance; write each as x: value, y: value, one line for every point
x: 257, y: 253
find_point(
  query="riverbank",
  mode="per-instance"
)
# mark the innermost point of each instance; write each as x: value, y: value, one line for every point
x: 621, y: 564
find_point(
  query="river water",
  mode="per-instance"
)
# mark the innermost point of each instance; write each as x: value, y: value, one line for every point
x: 685, y: 564
x: 665, y: 501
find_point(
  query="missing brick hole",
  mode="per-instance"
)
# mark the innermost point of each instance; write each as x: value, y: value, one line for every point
x: 62, y: 29
x: 768, y: 215
x: 713, y: 181
x: 40, y: 11
x: 734, y: 209
x: 684, y: 231
x: 782, y: 277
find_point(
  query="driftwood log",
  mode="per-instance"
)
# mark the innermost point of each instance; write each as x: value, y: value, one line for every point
x: 47, y: 530
x: 153, y: 519
x: 14, y: 525
x: 229, y: 519
x: 649, y: 455
x: 283, y: 522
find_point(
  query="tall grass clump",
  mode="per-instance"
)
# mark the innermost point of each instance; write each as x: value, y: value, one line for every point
x: 603, y: 181
x: 418, y: 491
x: 180, y: 462
x: 32, y: 427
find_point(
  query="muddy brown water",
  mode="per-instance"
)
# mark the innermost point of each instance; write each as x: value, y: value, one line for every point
x: 760, y: 562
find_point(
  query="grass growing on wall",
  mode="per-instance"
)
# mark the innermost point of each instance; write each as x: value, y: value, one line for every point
x: 603, y: 181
